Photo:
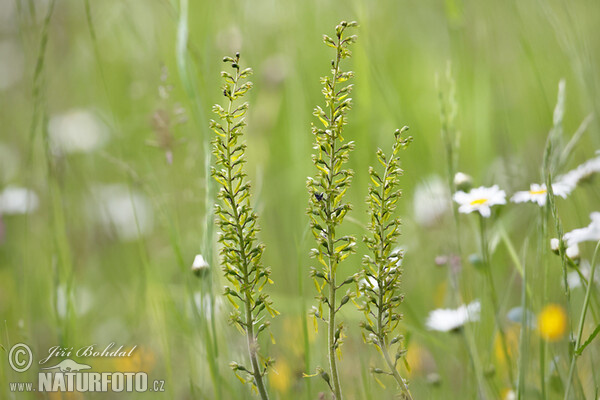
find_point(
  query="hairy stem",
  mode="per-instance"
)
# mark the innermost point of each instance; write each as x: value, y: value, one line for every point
x: 392, y: 366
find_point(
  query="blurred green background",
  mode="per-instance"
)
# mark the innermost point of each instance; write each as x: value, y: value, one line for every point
x: 95, y: 103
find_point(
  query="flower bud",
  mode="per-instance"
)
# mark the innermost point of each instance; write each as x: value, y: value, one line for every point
x: 463, y: 182
x: 476, y: 260
x: 555, y: 245
x: 200, y: 267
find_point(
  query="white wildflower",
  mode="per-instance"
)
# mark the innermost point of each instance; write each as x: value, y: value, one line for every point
x: 574, y: 280
x: 555, y: 245
x: 480, y: 199
x: 573, y: 252
x: 208, y: 305
x: 581, y: 172
x: 430, y: 201
x: 18, y: 200
x: 510, y: 395
x: 121, y: 210
x: 446, y: 319
x: 76, y: 131
x: 589, y: 233
x: 538, y: 193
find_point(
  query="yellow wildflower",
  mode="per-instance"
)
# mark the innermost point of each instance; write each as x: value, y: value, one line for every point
x: 552, y: 322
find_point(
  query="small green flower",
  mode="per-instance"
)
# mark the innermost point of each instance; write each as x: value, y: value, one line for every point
x: 382, y: 268
x: 326, y: 189
x: 241, y: 251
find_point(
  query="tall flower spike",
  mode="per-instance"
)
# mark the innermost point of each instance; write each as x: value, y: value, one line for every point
x: 240, y: 249
x: 382, y: 268
x: 326, y: 190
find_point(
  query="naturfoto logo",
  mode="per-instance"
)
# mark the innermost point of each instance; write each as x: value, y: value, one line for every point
x: 68, y: 375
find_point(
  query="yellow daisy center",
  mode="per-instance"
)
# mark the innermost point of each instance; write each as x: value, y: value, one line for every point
x: 534, y: 192
x: 478, y: 202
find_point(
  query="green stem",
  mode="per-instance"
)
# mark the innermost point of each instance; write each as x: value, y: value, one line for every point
x: 394, y: 371
x: 252, y: 350
x: 586, y: 303
x: 494, y: 298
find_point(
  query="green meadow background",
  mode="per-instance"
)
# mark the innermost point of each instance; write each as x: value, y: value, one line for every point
x: 68, y: 279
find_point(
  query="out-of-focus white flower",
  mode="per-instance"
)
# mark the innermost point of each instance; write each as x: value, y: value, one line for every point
x: 18, y: 200
x: 538, y: 193
x: 81, y: 300
x: 122, y: 210
x: 589, y: 233
x: 430, y: 201
x: 204, y: 303
x: 574, y: 280
x: 555, y: 245
x: 573, y: 252
x: 509, y: 395
x: 447, y: 319
x: 480, y: 199
x: 76, y: 131
x: 581, y: 172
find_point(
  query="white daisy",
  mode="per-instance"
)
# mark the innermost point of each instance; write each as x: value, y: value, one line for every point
x: 18, y: 200
x: 447, y: 319
x: 589, y: 233
x: 573, y: 252
x: 583, y: 171
x: 537, y: 193
x: 480, y: 199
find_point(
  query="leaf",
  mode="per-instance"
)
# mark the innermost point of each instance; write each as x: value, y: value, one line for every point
x: 588, y: 341
x: 377, y: 184
x: 379, y: 382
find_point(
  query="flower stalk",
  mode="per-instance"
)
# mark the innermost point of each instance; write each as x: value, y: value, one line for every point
x: 382, y: 270
x: 494, y: 297
x: 241, y: 251
x: 326, y: 190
